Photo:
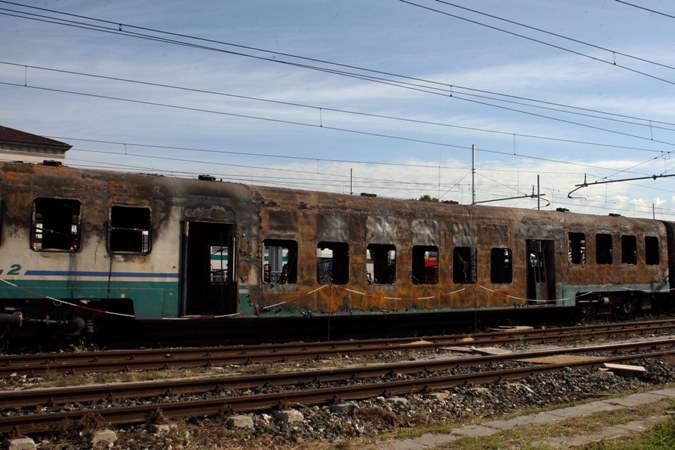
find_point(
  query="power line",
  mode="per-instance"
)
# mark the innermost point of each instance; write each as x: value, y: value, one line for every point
x: 445, y: 88
x: 98, y: 165
x: 257, y: 154
x: 632, y: 211
x: 558, y: 35
x: 299, y: 123
x: 308, y: 158
x: 539, y: 41
x: 240, y: 176
x: 571, y: 122
x: 323, y: 108
x: 279, y: 169
x: 411, y: 86
x: 644, y: 8
x: 231, y: 114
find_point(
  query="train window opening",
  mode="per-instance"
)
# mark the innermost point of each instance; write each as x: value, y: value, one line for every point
x: 56, y: 225
x: 381, y: 264
x: 603, y: 249
x: 652, y: 250
x: 424, y: 264
x: 577, y: 248
x: 332, y: 263
x: 280, y: 261
x: 629, y: 250
x: 220, y: 263
x: 129, y: 230
x: 464, y: 265
x: 501, y: 264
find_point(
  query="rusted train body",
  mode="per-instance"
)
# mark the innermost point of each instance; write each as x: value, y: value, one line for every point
x: 78, y: 244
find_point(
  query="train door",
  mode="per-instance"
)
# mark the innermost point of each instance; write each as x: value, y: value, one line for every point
x: 208, y: 272
x: 540, y: 269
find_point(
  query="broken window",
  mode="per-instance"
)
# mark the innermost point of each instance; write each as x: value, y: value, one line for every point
x: 332, y: 263
x: 603, y: 248
x: 501, y: 265
x: 56, y: 225
x: 464, y: 268
x: 220, y: 263
x: 651, y: 250
x: 381, y: 264
x: 628, y: 250
x: 280, y: 261
x: 577, y: 248
x: 424, y: 264
x: 129, y: 230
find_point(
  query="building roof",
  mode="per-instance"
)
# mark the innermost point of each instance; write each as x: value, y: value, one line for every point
x: 10, y: 136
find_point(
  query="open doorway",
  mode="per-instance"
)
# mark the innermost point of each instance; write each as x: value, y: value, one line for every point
x: 208, y: 275
x: 540, y: 269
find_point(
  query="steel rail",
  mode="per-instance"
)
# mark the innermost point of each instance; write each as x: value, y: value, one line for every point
x: 137, y: 414
x: 77, y: 394
x: 114, y: 360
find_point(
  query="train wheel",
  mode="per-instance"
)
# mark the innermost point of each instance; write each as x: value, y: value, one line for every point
x: 587, y: 312
x: 628, y: 308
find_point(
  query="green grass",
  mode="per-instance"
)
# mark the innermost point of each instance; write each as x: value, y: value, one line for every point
x: 523, y: 437
x: 662, y: 437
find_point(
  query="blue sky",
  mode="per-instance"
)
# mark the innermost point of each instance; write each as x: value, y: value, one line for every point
x: 387, y: 35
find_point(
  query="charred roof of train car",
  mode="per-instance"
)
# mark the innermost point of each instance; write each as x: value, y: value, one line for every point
x: 142, y: 185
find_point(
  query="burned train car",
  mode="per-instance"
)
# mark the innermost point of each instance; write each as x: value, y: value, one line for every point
x: 78, y: 244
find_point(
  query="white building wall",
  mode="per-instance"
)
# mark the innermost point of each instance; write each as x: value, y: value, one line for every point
x: 8, y: 154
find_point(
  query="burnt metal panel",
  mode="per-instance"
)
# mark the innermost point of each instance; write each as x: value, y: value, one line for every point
x: 333, y: 228
x: 425, y: 232
x: 309, y: 217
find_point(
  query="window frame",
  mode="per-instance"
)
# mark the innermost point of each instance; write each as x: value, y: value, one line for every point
x: 327, y: 245
x: 473, y: 260
x: 227, y: 277
x: 390, y: 247
x: 648, y: 253
x: 110, y: 229
x: 492, y: 265
x: 295, y: 247
x: 33, y: 224
x: 624, y: 239
x: 424, y: 249
x: 570, y: 253
x: 611, y: 250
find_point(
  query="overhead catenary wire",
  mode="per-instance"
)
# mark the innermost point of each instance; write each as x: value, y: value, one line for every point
x: 636, y: 208
x: 244, y: 177
x: 303, y: 124
x: 539, y: 41
x: 266, y: 168
x: 559, y: 35
x: 258, y: 180
x: 407, y: 85
x: 97, y: 165
x: 434, y: 166
x: 644, y: 8
x: 294, y: 180
x: 211, y: 162
x: 445, y: 87
x: 322, y: 108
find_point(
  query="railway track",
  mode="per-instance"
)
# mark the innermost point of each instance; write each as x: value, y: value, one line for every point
x: 357, y: 380
x: 189, y: 357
